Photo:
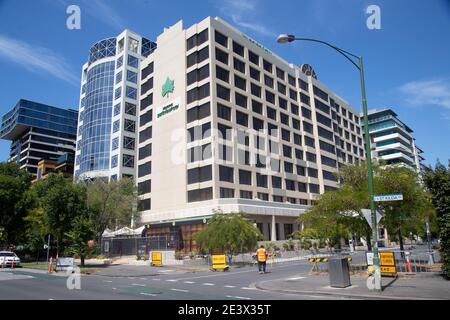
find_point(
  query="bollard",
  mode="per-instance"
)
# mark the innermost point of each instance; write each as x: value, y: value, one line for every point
x: 12, y: 263
x: 409, y: 264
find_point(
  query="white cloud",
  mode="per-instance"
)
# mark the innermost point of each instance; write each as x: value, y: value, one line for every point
x: 426, y: 92
x: 101, y: 10
x: 240, y: 11
x: 37, y: 59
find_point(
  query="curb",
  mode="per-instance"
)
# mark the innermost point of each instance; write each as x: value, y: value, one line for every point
x: 325, y: 293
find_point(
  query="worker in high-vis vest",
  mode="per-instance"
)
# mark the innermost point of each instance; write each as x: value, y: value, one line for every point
x: 261, y: 255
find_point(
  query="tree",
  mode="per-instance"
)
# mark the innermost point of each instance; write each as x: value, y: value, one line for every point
x: 437, y: 182
x: 62, y: 201
x: 111, y: 204
x: 35, y: 230
x: 15, y: 201
x: 82, y: 230
x: 229, y: 234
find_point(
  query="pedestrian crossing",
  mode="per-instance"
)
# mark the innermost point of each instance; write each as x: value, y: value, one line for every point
x: 4, y: 276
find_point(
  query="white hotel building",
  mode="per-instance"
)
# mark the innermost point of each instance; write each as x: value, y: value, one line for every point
x: 205, y: 92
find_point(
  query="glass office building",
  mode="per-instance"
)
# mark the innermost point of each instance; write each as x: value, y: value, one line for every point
x: 38, y: 131
x: 106, y: 137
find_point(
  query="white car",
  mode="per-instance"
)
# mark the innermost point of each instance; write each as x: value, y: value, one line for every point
x: 7, y: 257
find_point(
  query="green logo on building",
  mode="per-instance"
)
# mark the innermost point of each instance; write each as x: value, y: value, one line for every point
x: 167, y: 87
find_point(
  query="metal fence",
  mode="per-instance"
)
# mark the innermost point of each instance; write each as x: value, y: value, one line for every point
x: 138, y: 246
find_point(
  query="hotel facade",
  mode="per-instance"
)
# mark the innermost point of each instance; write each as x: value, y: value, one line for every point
x: 227, y: 125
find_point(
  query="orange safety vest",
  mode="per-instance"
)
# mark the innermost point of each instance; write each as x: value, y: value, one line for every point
x: 262, y: 254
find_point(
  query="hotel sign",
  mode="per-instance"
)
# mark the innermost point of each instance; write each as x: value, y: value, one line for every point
x: 167, y: 87
x: 168, y: 108
x: 388, y: 197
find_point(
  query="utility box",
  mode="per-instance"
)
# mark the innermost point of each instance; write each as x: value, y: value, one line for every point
x: 339, y: 271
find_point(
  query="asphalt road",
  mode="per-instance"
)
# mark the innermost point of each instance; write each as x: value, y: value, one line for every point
x: 160, y: 283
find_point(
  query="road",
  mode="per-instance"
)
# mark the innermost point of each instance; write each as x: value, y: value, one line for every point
x: 159, y: 284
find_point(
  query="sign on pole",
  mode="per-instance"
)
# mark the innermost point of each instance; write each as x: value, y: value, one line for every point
x: 156, y: 258
x: 388, y: 197
x: 387, y: 264
x: 368, y: 215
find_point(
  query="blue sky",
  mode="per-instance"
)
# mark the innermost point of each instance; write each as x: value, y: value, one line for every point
x: 407, y: 61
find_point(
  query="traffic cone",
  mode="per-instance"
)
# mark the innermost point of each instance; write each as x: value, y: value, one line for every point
x: 409, y: 264
x: 50, y: 265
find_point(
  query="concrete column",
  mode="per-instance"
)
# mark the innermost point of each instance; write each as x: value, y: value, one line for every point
x: 274, y: 230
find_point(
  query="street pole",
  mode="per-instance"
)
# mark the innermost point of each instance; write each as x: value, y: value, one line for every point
x: 376, y: 260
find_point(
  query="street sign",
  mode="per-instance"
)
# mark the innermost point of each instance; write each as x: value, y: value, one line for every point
x: 388, y: 197
x: 369, y: 258
x: 64, y: 263
x: 156, y: 258
x: 387, y: 264
x: 219, y: 262
x: 368, y: 215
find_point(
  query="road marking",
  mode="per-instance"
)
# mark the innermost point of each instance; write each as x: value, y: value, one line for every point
x: 142, y: 278
x: 228, y: 286
x: 296, y: 278
x: 148, y: 294
x: 51, y: 299
x: 132, y: 278
x: 114, y: 288
x: 107, y: 280
x: 238, y: 297
x: 138, y: 284
x: 180, y: 290
x: 189, y: 282
x: 172, y: 280
x: 248, y: 288
x: 156, y: 279
x: 208, y: 284
x: 165, y: 270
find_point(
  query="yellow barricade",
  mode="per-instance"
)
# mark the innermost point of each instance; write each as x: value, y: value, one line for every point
x: 156, y: 258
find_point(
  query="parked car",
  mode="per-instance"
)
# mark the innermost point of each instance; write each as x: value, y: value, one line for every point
x: 7, y: 257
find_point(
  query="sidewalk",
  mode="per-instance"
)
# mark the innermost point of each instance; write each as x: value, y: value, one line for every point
x: 430, y: 286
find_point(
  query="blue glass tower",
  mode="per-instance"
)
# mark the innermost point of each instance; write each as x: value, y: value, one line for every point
x: 107, y: 127
x: 38, y: 131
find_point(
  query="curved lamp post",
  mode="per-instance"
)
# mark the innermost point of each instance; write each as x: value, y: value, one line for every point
x: 287, y: 38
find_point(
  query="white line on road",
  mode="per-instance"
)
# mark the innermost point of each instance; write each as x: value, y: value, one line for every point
x: 114, y: 288
x: 172, y: 280
x: 296, y: 278
x: 148, y: 294
x: 156, y: 279
x: 180, y: 290
x: 238, y: 297
x: 248, y: 288
x: 107, y: 281
x: 228, y: 286
x: 208, y: 284
x: 189, y: 282
x: 138, y: 284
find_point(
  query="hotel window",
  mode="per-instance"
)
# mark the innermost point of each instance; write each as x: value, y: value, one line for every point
x: 243, y: 157
x: 115, y: 143
x: 225, y: 132
x: 288, y: 167
x: 199, y: 153
x: 306, y: 113
x: 197, y: 39
x: 328, y: 161
x: 130, y: 108
x: 200, y: 174
x: 117, y: 109
x: 293, y: 94
x: 245, y: 177
x: 263, y: 196
x: 222, y: 92
x: 270, y: 97
x: 281, y: 88
x: 272, y: 129
x: 225, y: 152
x: 116, y: 126
x: 271, y: 113
x: 128, y: 161
x: 254, y: 58
x: 198, y: 112
x: 114, y: 161
x: 296, y: 124
x: 119, y: 62
x: 301, y: 171
x: 118, y: 93
x: 314, y: 188
x: 240, y: 83
x: 119, y: 77
x: 311, y: 157
x: 291, y: 80
x: 198, y: 75
x: 197, y: 57
x: 226, y: 193
x: 301, y: 187
x: 128, y: 143
x: 239, y: 65
x: 129, y: 125
x: 285, y: 135
x: 257, y: 107
x: 290, y: 185
x: 145, y: 134
x: 313, y: 173
x: 222, y: 74
x: 327, y: 147
x: 282, y: 103
x: 329, y: 175
x: 255, y: 90
x: 284, y: 118
x: 324, y: 133
x: 131, y: 76
x: 258, y: 124
x: 238, y: 49
x: 268, y: 81
x: 277, y: 199
x: 145, y: 169
x: 198, y: 93
x: 303, y: 85
x: 320, y: 93
x: 280, y: 73
x: 322, y: 106
x: 243, y: 138
x: 267, y: 66
x: 221, y: 39
x: 246, y: 194
x: 146, y: 118
x: 323, y: 120
x: 133, y: 61
x: 242, y: 119
x: 147, y: 101
x: 287, y: 151
x: 221, y: 56
x: 309, y: 142
x: 241, y: 100
x: 276, y: 182
x: 223, y: 112
x: 199, y: 132
x: 145, y: 151
x: 131, y: 92
x: 304, y: 98
x: 147, y: 71
x: 226, y: 174
x: 295, y: 109
x: 261, y: 180
x: 144, y: 187
x: 255, y: 74
x: 200, y: 195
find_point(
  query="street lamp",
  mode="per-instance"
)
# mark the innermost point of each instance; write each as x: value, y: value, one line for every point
x: 287, y: 38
